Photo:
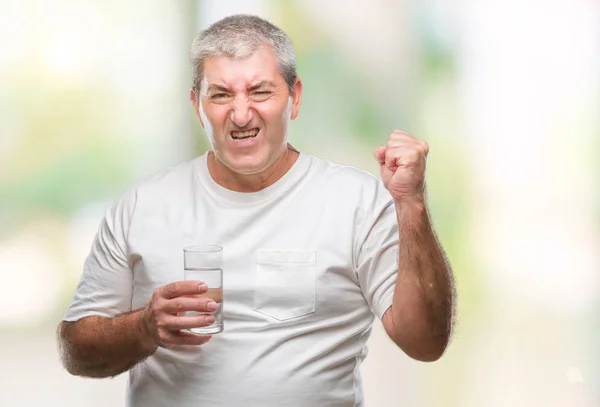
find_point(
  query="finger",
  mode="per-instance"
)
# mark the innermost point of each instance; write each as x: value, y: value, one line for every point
x: 180, y: 288
x: 395, y: 158
x: 421, y: 145
x: 392, y: 158
x: 402, y: 139
x: 215, y: 293
x: 187, y: 338
x: 402, y: 134
x: 171, y: 339
x: 379, y: 154
x: 399, y: 142
x: 172, y: 323
x: 403, y: 156
x: 183, y: 304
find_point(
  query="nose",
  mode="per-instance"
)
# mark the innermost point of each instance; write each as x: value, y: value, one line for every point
x: 241, y: 113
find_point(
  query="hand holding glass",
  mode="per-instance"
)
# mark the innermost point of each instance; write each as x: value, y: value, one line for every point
x: 205, y: 263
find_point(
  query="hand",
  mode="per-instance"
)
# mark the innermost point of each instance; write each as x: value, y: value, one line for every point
x: 164, y: 319
x: 403, y: 161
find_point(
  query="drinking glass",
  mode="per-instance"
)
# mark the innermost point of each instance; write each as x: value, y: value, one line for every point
x: 205, y: 263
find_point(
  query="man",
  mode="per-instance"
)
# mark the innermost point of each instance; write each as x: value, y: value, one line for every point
x: 291, y: 338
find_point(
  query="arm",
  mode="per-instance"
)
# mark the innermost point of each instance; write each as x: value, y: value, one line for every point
x: 421, y: 317
x: 422, y: 313
x: 115, y: 338
x: 103, y: 347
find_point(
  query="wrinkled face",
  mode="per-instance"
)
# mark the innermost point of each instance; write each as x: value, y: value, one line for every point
x: 245, y: 107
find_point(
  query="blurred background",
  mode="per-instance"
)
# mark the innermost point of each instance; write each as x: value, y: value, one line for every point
x: 94, y: 97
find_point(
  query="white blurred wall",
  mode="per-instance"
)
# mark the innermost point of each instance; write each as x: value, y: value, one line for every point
x: 527, y: 104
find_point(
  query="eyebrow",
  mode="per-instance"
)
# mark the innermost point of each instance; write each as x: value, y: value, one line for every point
x: 220, y: 88
x: 217, y: 88
x: 261, y: 84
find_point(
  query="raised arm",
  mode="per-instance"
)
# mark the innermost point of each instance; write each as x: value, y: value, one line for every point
x: 421, y: 318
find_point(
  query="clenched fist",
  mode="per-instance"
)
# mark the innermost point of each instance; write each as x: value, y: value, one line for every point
x: 402, y: 164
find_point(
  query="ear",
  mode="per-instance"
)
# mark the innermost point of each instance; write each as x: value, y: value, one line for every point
x: 296, y: 98
x: 195, y: 102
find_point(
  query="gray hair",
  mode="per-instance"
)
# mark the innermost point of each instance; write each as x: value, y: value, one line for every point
x: 239, y: 36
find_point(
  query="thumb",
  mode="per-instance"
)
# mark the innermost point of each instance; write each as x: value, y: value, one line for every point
x: 379, y: 155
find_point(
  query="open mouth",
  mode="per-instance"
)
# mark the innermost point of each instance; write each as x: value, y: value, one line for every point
x: 244, y: 135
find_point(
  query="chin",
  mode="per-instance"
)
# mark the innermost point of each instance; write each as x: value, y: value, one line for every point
x: 248, y: 165
x: 251, y: 162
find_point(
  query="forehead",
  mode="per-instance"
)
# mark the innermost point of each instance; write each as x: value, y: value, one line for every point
x: 241, y: 72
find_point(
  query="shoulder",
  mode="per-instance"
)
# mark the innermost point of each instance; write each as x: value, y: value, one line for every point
x: 356, y: 194
x: 347, y: 178
x: 168, y: 184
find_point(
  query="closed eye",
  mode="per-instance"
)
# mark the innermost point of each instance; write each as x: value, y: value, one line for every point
x: 261, y: 95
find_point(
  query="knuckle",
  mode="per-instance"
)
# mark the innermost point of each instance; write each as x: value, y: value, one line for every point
x: 160, y: 293
x: 175, y: 306
x: 162, y: 323
x: 156, y: 301
x: 176, y: 324
x: 155, y: 308
x: 391, y: 154
x: 163, y: 337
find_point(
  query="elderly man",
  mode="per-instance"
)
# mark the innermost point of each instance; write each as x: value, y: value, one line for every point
x: 372, y: 248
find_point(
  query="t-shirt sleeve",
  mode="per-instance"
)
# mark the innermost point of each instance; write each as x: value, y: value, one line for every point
x: 105, y: 285
x: 377, y: 252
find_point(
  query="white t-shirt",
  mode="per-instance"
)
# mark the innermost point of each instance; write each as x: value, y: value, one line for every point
x: 293, y: 336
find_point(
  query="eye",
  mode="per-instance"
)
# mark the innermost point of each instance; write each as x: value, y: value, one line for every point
x: 220, y: 98
x: 261, y: 94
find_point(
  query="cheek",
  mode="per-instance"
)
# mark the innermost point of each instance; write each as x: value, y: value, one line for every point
x: 216, y: 115
x: 274, y: 113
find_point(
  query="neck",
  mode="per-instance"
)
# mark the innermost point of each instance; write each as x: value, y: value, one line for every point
x: 234, y: 181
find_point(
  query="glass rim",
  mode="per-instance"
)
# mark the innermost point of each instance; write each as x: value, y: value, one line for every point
x: 210, y: 248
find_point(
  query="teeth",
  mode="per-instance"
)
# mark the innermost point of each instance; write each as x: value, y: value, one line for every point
x: 244, y: 134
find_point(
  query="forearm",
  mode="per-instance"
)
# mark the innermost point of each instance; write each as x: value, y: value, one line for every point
x: 423, y: 305
x: 104, y: 347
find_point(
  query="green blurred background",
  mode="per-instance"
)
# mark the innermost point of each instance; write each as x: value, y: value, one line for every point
x: 94, y: 97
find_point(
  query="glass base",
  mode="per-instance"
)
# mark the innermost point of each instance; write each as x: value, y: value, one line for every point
x: 207, y: 330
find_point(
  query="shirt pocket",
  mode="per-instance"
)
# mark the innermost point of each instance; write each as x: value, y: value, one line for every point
x: 285, y: 286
